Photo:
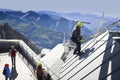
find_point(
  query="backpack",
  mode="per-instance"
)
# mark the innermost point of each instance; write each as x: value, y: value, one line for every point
x: 4, y: 72
x: 40, y: 71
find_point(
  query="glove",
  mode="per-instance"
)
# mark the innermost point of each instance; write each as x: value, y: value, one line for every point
x: 82, y: 40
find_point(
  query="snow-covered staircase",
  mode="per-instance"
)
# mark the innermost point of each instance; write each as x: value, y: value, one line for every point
x: 99, y: 61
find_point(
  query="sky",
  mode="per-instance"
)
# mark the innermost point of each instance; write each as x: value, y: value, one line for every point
x: 109, y: 7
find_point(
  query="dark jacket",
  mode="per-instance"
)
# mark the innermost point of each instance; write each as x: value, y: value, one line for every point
x: 75, y: 34
x: 39, y: 72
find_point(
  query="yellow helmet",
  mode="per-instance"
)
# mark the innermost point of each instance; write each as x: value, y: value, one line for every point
x: 39, y: 64
x: 79, y: 24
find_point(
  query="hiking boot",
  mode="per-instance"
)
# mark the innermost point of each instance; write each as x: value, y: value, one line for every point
x: 80, y: 53
x: 74, y: 53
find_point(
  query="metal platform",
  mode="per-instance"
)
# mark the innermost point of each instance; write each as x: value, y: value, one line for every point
x: 22, y: 72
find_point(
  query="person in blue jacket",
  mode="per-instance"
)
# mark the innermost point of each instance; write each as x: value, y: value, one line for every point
x: 7, y: 73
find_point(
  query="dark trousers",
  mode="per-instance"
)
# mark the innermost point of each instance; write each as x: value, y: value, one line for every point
x: 78, y: 47
x: 39, y: 78
x: 13, y: 58
x: 6, y: 78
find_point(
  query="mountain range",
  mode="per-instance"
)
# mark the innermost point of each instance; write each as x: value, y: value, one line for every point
x: 46, y: 28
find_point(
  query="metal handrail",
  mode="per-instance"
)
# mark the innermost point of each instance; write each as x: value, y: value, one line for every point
x: 96, y: 41
x: 27, y: 52
x: 48, y: 69
x: 38, y: 60
x: 100, y: 65
x: 111, y: 73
